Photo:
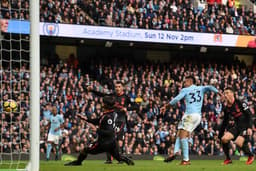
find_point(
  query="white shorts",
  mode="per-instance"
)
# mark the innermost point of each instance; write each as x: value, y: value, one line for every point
x: 54, y: 138
x: 189, y: 122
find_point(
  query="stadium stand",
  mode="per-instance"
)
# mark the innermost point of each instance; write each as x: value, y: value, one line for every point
x: 177, y: 15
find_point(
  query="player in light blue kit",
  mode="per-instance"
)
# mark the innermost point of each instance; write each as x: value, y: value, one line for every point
x: 56, y: 124
x: 194, y: 96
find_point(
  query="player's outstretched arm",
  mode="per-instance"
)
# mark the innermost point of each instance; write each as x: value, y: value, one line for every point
x: 98, y: 93
x: 82, y: 117
x: 180, y: 96
x: 173, y: 101
x: 211, y: 88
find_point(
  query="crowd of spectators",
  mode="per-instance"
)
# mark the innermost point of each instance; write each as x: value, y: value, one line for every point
x: 177, y: 15
x: 149, y: 85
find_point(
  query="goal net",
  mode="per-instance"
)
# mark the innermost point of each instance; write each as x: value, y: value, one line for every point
x: 15, y: 124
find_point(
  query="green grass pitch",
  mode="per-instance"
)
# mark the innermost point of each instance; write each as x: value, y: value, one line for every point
x: 149, y: 165
x: 144, y: 165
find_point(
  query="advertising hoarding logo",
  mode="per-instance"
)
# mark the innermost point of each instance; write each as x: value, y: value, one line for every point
x: 51, y: 29
x: 218, y: 38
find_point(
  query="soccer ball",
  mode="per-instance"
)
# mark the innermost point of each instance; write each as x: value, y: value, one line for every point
x: 10, y: 106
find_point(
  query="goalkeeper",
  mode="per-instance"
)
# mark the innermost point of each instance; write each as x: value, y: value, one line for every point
x: 106, y: 135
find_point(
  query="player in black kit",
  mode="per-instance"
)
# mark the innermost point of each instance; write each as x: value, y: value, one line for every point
x: 106, y: 135
x: 239, y: 131
x: 122, y: 103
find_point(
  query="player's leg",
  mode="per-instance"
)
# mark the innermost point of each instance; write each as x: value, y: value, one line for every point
x: 48, y: 149
x: 184, y: 146
x: 115, y: 152
x: 242, y: 142
x: 81, y: 157
x: 176, y: 149
x: 190, y: 122
x: 95, y: 148
x: 225, y: 144
x: 50, y: 141
x: 177, y: 145
x: 57, y: 146
x: 109, y: 158
x: 120, y: 141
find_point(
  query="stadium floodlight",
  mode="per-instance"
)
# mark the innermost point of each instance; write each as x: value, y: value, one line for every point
x: 20, y: 81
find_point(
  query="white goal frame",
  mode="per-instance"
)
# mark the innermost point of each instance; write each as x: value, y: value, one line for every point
x: 34, y: 86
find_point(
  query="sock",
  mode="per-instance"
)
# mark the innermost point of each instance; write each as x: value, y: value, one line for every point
x: 109, y: 157
x: 82, y: 156
x: 125, y: 159
x: 57, y: 151
x: 226, y: 150
x: 184, y: 147
x: 48, y: 151
x: 190, y: 140
x: 246, y: 149
x: 177, y: 146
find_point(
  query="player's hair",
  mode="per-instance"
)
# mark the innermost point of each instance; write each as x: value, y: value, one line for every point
x: 119, y: 82
x: 229, y: 88
x: 192, y: 78
x: 109, y: 102
x: 54, y: 106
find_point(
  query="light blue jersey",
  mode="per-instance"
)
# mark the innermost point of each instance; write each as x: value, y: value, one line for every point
x: 47, y: 114
x: 194, y: 97
x: 56, y: 121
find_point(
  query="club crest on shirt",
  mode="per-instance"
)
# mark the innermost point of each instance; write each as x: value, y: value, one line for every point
x: 245, y: 106
x: 122, y: 101
x: 110, y: 121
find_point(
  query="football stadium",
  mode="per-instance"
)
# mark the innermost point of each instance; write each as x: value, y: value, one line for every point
x: 118, y: 85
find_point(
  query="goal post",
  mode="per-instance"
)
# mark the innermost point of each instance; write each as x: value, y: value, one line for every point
x: 34, y: 86
x: 20, y: 81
